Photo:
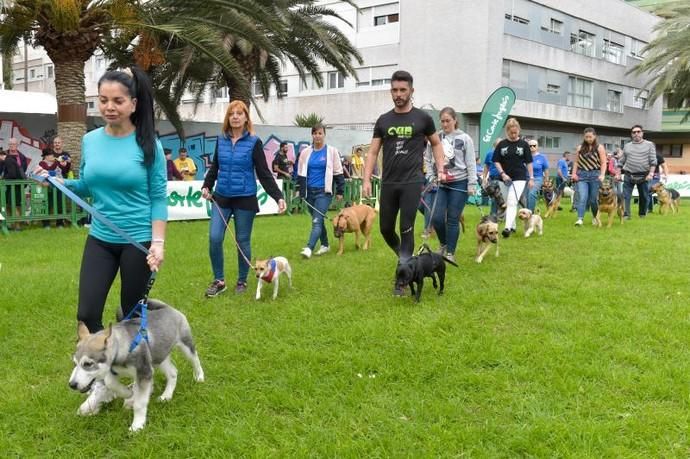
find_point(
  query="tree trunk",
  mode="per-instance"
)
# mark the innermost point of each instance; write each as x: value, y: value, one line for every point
x: 235, y: 91
x: 70, y: 89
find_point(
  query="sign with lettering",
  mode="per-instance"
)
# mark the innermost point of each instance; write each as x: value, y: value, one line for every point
x: 185, y: 201
x: 494, y: 115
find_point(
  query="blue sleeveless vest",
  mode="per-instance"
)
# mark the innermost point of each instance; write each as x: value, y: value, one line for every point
x: 236, y: 166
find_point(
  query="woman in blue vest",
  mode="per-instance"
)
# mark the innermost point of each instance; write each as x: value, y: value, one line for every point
x: 319, y: 166
x: 239, y: 156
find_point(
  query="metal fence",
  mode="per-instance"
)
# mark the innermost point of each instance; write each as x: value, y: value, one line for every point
x: 351, y: 195
x: 25, y: 201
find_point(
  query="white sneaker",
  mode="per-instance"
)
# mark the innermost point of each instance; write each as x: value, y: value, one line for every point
x: 306, y: 252
x: 578, y: 222
x: 323, y: 249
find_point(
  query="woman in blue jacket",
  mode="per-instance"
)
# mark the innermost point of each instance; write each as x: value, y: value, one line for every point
x: 239, y: 156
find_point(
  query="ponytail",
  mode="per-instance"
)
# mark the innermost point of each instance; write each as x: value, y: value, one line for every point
x: 139, y: 87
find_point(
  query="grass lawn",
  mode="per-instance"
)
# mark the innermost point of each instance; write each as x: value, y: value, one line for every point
x: 573, y: 344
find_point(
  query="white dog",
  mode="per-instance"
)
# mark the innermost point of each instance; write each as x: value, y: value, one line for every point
x: 569, y: 193
x: 268, y: 271
x: 533, y: 222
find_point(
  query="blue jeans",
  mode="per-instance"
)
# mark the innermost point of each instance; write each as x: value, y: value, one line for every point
x: 428, y: 199
x: 642, y: 191
x: 449, y: 206
x: 588, y: 192
x: 244, y: 220
x: 533, y: 193
x: 322, y: 201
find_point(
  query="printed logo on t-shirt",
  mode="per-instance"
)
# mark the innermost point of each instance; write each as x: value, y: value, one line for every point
x: 504, y: 151
x: 400, y: 131
x: 519, y: 151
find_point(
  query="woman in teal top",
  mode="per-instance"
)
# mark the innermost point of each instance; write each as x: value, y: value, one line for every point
x: 123, y: 170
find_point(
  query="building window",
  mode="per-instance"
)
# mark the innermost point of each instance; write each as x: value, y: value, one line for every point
x: 613, y: 101
x: 518, y: 19
x: 32, y: 74
x: 256, y: 88
x: 50, y: 71
x: 582, y: 43
x: 639, y: 98
x: 580, y: 92
x: 386, y: 19
x: 553, y: 89
x: 380, y: 81
x: 361, y: 84
x: 636, y: 48
x: 336, y: 80
x: 282, y: 88
x: 220, y: 93
x: 91, y: 105
x: 549, y: 142
x: 613, y: 52
x: 554, y: 26
x: 670, y: 151
x: 517, y: 75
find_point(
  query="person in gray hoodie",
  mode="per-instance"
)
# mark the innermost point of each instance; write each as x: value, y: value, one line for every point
x: 461, y: 179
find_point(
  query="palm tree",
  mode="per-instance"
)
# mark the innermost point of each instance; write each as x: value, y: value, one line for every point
x: 71, y: 31
x: 667, y: 58
x: 300, y: 32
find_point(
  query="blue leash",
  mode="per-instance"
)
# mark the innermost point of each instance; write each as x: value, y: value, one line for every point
x: 142, y: 304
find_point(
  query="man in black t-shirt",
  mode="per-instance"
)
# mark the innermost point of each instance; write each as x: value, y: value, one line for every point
x: 403, y: 133
x: 281, y: 163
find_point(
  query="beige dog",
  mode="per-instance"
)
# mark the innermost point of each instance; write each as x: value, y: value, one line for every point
x: 533, y: 221
x: 269, y: 271
x: 487, y: 234
x: 356, y: 219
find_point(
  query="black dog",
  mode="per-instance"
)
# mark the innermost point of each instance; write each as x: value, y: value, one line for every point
x: 413, y: 271
x: 493, y: 191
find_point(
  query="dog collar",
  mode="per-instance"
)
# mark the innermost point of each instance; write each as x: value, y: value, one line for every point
x: 273, y: 267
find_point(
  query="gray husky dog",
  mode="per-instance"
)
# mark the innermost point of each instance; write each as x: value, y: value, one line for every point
x: 103, y: 357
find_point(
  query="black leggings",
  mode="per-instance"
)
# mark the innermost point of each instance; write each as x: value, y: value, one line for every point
x: 99, y: 265
x: 403, y: 198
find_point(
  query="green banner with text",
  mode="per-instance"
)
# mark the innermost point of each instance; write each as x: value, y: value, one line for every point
x: 494, y: 115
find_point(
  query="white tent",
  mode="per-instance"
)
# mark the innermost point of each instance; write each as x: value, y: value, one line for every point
x: 27, y: 102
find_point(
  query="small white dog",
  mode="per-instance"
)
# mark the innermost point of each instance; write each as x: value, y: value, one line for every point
x: 533, y: 221
x: 268, y: 271
x: 569, y: 193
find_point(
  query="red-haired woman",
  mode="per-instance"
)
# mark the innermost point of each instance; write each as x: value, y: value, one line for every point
x: 239, y: 158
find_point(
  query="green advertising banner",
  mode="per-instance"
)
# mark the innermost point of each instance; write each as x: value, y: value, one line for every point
x: 494, y: 115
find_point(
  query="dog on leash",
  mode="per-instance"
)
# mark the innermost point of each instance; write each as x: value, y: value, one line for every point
x: 493, y: 191
x: 533, y: 221
x: 104, y: 357
x: 669, y: 199
x: 426, y: 264
x: 269, y: 271
x: 609, y: 203
x: 356, y: 219
x: 552, y: 197
x: 487, y: 234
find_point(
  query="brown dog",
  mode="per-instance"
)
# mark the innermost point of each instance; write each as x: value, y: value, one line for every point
x: 669, y: 199
x: 487, y: 234
x: 610, y: 203
x: 356, y: 219
x: 552, y: 196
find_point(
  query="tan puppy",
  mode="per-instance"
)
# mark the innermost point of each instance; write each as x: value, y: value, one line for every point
x: 487, y: 234
x: 668, y: 198
x: 356, y: 219
x: 609, y: 203
x: 533, y: 222
x: 268, y: 271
